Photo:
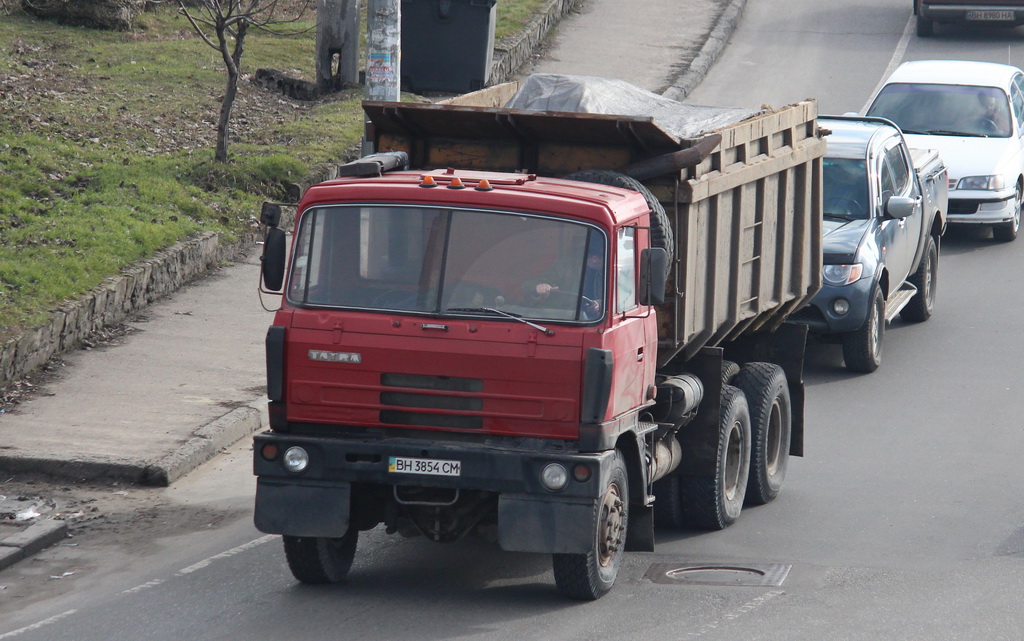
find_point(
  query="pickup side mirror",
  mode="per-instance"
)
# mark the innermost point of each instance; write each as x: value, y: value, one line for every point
x: 901, y: 206
x: 653, y: 276
x: 272, y: 261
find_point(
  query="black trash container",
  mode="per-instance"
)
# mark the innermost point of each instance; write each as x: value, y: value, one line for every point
x: 447, y: 45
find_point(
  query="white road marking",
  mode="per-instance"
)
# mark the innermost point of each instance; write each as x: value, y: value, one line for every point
x: 36, y: 626
x: 897, y: 58
x: 223, y: 555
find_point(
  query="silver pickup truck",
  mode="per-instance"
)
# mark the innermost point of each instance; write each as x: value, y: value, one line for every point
x: 884, y: 208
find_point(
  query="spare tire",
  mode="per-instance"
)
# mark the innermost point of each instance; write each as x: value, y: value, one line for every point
x: 661, y: 229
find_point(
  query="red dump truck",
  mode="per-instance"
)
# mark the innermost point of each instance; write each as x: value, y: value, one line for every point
x: 551, y: 328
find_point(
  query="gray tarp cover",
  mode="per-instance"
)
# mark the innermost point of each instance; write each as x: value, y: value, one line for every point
x: 594, y: 95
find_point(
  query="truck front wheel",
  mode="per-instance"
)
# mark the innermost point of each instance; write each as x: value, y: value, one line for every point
x: 320, y: 560
x: 589, y: 576
x: 715, y: 502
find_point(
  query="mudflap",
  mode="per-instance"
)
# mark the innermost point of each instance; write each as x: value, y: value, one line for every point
x: 640, y: 535
x: 531, y: 523
x: 318, y: 509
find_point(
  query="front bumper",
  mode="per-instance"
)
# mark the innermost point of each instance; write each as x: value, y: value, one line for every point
x: 979, y: 209
x: 820, y: 316
x: 531, y: 518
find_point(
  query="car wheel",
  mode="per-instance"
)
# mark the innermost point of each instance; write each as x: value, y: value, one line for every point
x: 925, y: 28
x: 862, y: 349
x: 920, y: 307
x: 1007, y: 232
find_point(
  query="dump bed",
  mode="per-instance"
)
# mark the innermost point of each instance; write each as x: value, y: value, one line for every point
x: 744, y: 197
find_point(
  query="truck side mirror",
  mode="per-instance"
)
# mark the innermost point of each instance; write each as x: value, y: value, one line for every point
x: 653, y: 276
x: 272, y: 261
x: 270, y: 215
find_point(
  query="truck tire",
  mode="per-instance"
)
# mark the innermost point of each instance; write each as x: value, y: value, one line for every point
x: 925, y: 279
x: 668, y: 504
x: 771, y: 422
x: 661, y: 228
x: 320, y: 560
x: 590, y: 576
x: 715, y: 502
x: 729, y: 372
x: 862, y: 349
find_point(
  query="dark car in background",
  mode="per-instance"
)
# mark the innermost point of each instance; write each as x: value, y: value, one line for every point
x: 987, y: 12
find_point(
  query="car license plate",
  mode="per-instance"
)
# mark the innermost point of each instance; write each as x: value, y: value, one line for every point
x: 435, y: 467
x: 990, y: 15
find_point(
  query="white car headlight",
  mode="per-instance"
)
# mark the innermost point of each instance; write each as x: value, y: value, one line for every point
x: 989, y: 183
x: 839, y: 275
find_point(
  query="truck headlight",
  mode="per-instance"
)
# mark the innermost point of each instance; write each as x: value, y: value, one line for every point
x: 296, y: 459
x: 554, y: 477
x: 839, y: 275
x: 988, y: 183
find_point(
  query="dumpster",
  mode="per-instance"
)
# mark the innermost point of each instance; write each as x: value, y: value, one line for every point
x: 447, y: 45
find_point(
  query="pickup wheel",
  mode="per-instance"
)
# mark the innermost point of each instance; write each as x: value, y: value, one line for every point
x: 1007, y: 232
x: 920, y: 307
x: 862, y: 349
x: 320, y: 560
x: 771, y: 420
x: 590, y: 576
x: 715, y: 502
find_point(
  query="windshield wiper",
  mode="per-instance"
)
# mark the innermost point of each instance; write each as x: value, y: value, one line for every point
x: 950, y: 132
x: 840, y: 216
x: 499, y: 312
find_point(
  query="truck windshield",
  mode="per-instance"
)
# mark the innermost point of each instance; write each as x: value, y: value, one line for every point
x: 845, y: 188
x: 945, y: 110
x: 448, y: 261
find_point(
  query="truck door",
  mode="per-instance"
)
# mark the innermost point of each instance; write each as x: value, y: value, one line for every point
x: 632, y: 337
x: 902, y: 235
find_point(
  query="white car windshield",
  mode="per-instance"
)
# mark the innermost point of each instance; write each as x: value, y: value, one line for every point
x: 945, y: 110
x: 435, y: 261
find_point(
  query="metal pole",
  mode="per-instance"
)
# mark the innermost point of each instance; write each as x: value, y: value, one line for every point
x: 383, y: 55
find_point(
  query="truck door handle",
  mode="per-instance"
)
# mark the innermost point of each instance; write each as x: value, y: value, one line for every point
x: 640, y: 355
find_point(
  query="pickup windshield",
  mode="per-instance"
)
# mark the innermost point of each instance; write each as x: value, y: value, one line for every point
x: 442, y: 261
x: 845, y: 188
x: 945, y: 110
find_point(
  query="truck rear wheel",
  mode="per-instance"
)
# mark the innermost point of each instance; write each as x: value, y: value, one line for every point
x: 920, y: 307
x: 589, y: 576
x: 320, y: 560
x: 771, y: 420
x: 862, y: 349
x: 715, y: 502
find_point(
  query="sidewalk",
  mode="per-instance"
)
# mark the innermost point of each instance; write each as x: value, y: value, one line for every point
x: 187, y: 380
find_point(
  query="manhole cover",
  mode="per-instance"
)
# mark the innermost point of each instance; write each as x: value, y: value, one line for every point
x: 764, y: 575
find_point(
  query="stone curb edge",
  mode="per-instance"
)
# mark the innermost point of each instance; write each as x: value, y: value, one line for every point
x: 709, y: 52
x: 34, y: 538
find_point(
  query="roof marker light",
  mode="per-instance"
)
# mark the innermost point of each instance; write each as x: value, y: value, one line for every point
x: 484, y: 185
x: 428, y: 181
x: 456, y: 183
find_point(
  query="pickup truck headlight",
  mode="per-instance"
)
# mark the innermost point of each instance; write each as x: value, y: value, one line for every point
x: 839, y: 275
x: 989, y: 183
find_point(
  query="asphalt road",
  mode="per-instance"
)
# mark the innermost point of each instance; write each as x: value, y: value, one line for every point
x: 903, y: 521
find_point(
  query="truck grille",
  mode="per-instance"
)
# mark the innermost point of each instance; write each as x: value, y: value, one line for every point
x: 431, y: 401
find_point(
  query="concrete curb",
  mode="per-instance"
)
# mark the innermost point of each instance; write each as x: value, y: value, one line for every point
x: 709, y: 52
x: 23, y: 543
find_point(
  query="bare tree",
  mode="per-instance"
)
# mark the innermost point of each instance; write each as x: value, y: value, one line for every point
x: 223, y: 25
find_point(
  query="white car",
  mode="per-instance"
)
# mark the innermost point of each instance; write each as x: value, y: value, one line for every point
x: 973, y: 114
